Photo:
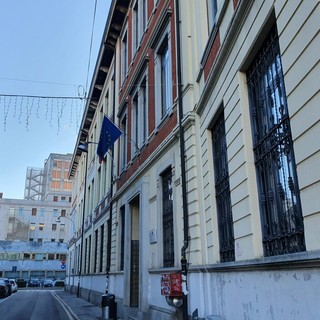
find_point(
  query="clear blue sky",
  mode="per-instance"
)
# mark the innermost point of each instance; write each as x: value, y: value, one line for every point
x: 45, y: 46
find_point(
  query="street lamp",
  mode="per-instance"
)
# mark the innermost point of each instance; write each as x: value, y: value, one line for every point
x: 72, y: 222
x: 58, y: 220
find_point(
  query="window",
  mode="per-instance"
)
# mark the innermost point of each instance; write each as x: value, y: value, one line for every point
x: 165, y: 78
x: 281, y: 214
x: 167, y: 219
x: 139, y: 126
x: 101, y: 248
x: 56, y: 174
x: 139, y: 22
x: 32, y: 227
x: 122, y: 232
x: 51, y: 256
x: 124, y: 56
x: 135, y: 27
x: 223, y: 199
x: 54, y: 227
x: 135, y: 125
x: 95, y: 258
x: 144, y: 111
x: 144, y: 15
x: 63, y: 198
x: 67, y: 185
x: 41, y: 226
x: 63, y: 213
x: 55, y: 184
x: 55, y: 198
x: 61, y: 257
x: 123, y: 143
x: 26, y: 256
x: 212, y: 12
x: 89, y: 255
x: 34, y: 211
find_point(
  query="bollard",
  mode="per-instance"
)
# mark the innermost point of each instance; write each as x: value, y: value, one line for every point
x: 104, y: 306
x: 109, y: 307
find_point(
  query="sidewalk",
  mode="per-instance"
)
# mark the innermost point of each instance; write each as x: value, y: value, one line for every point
x: 79, y: 308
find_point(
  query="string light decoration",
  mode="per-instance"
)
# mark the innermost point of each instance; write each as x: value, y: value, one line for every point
x: 53, y: 109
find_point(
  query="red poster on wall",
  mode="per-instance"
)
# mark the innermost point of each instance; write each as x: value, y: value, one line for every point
x: 171, y: 284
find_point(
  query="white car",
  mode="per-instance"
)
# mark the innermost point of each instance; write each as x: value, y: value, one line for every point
x: 14, y: 286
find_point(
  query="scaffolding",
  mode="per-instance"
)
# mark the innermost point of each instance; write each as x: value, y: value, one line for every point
x: 34, y: 187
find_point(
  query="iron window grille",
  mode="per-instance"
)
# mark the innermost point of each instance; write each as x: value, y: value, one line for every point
x: 222, y: 187
x: 134, y: 274
x: 122, y: 219
x: 281, y: 214
x: 167, y: 219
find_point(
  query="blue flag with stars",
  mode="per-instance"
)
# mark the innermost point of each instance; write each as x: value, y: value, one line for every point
x: 108, y: 136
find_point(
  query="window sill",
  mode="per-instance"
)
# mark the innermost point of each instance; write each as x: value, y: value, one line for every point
x: 301, y: 260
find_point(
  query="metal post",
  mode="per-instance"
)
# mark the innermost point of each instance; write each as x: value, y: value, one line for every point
x: 82, y: 227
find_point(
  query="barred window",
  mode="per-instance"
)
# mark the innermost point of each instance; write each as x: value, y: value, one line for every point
x: 281, y: 214
x: 122, y: 219
x: 223, y: 199
x: 167, y: 219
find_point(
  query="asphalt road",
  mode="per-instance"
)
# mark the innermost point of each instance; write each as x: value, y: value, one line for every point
x: 31, y: 304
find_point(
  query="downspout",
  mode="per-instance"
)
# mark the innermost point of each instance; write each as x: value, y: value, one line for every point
x: 184, y: 265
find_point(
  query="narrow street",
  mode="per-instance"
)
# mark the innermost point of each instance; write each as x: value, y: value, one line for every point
x: 32, y: 304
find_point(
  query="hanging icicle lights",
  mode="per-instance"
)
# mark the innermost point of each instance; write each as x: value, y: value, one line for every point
x: 51, y: 109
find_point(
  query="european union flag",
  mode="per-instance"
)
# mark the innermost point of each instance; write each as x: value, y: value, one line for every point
x: 108, y: 135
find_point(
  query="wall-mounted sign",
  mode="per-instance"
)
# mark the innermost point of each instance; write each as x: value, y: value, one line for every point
x: 171, y: 284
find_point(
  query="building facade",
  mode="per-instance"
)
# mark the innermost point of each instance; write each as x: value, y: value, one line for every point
x: 215, y: 173
x: 25, y: 259
x: 37, y: 221
x: 50, y: 183
x: 42, y: 218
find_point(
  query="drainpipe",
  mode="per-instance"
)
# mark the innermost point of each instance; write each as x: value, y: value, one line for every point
x: 184, y: 265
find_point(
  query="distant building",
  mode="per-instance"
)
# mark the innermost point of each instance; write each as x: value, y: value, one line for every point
x: 47, y: 198
x: 29, y: 220
x: 24, y: 259
x: 51, y: 182
x: 42, y: 219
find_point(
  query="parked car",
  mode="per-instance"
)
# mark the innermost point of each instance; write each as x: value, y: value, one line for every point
x: 48, y: 283
x: 59, y: 283
x: 8, y: 284
x: 34, y: 282
x: 14, y: 286
x: 22, y: 283
x: 4, y: 292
